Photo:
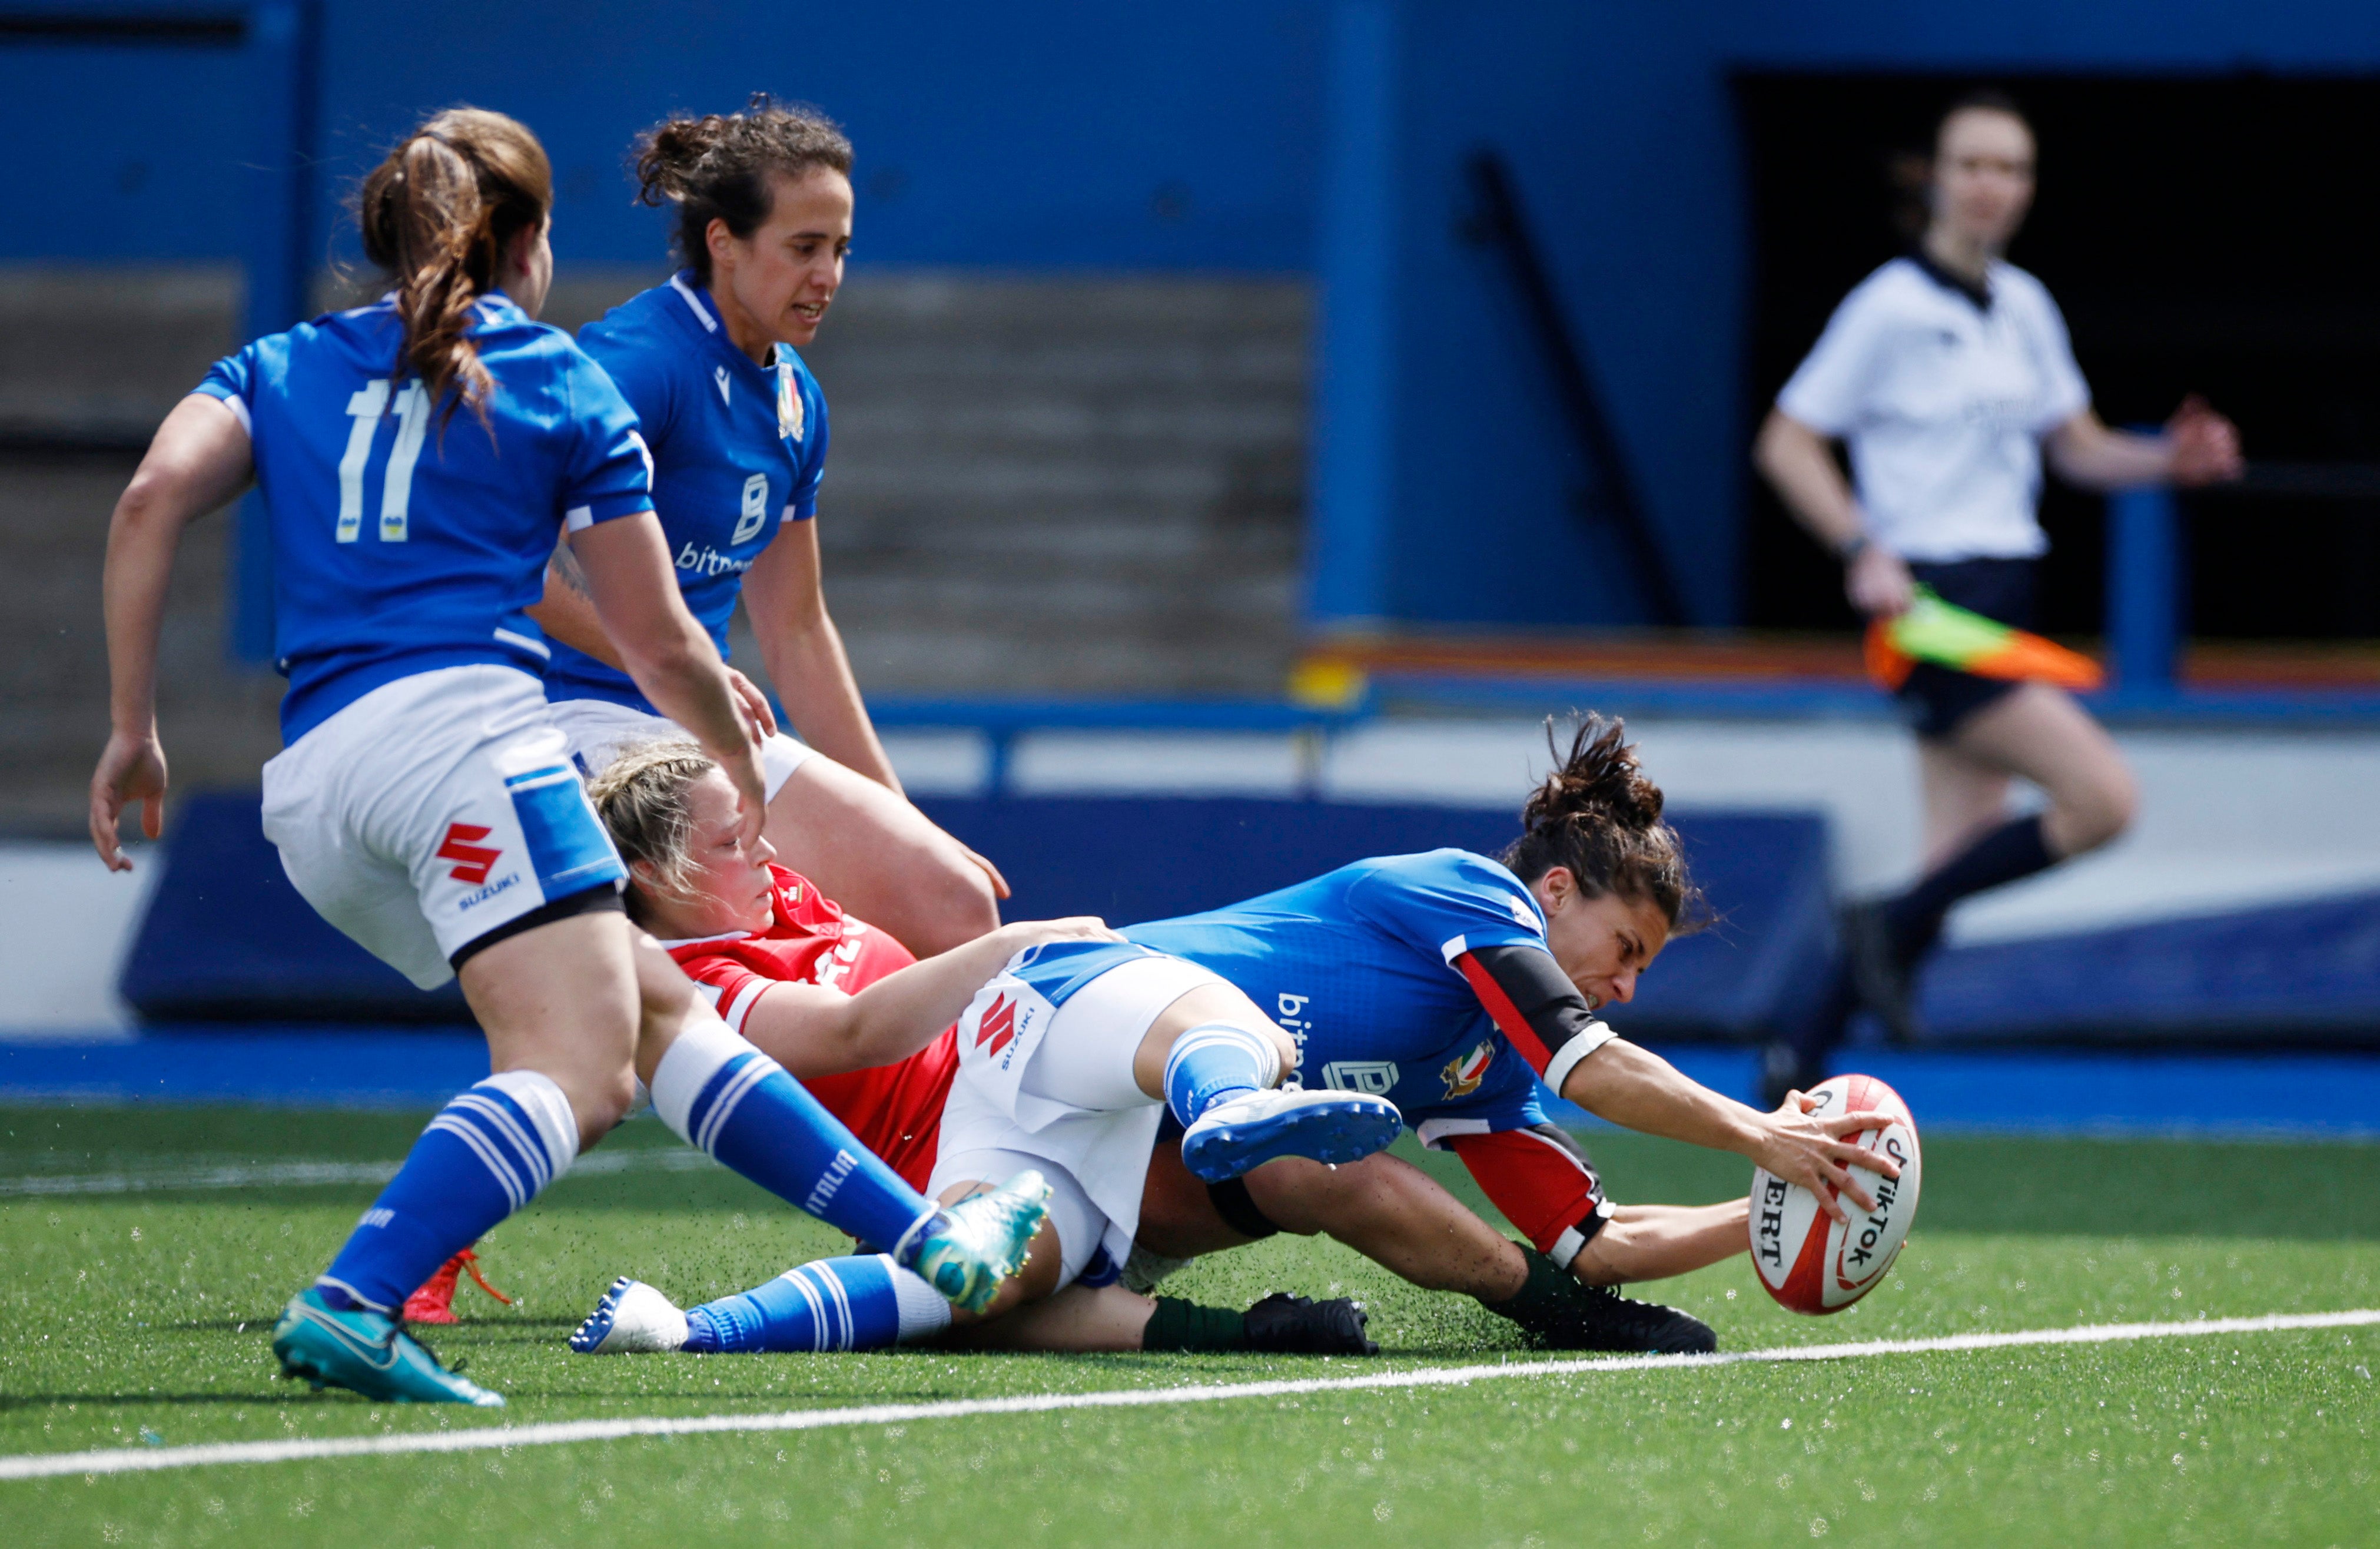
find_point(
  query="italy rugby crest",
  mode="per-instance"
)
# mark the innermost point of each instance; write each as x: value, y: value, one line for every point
x: 789, y: 403
x: 1463, y: 1075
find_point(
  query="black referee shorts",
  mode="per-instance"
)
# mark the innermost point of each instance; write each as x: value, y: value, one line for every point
x: 1938, y: 699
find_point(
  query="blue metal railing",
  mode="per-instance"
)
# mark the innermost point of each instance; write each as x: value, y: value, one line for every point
x: 1002, y: 721
x: 2147, y: 592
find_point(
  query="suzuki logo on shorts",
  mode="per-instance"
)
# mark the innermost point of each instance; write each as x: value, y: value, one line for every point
x: 999, y: 1025
x: 1372, y: 1076
x: 756, y: 510
x: 471, y: 858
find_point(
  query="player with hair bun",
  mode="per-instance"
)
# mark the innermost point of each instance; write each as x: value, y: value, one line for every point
x: 424, y: 801
x: 738, y: 429
x: 1446, y: 983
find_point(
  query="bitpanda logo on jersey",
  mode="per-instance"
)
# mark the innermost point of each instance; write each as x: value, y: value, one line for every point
x: 707, y: 561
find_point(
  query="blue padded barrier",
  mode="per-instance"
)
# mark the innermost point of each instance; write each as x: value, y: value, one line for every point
x: 227, y: 939
x: 1134, y: 858
x: 2306, y: 973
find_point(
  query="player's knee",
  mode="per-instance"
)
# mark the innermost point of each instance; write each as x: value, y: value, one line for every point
x: 2098, y: 809
x: 954, y: 904
x: 1037, y: 1281
x: 1283, y: 1045
x: 606, y: 1102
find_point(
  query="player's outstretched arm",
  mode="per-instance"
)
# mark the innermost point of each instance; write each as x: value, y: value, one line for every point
x: 1636, y: 1088
x: 199, y: 459
x: 661, y: 647
x: 813, y: 1031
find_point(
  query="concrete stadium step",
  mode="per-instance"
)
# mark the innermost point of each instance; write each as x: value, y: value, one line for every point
x: 1037, y: 485
x: 1065, y: 485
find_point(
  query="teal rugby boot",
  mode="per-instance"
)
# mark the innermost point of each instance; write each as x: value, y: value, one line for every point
x: 366, y: 1353
x: 968, y: 1249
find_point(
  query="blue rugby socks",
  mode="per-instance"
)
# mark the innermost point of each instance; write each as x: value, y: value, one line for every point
x: 867, y: 1303
x: 489, y: 1152
x: 721, y: 1096
x: 1214, y: 1062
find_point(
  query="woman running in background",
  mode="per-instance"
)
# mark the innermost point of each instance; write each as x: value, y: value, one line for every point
x: 418, y: 457
x: 1443, y: 980
x: 738, y: 431
x: 1947, y: 372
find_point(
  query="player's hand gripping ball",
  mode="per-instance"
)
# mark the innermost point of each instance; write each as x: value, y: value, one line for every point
x: 1810, y: 1261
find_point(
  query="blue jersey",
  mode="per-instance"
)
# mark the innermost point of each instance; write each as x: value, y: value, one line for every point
x: 737, y: 452
x: 1358, y: 965
x: 402, y: 541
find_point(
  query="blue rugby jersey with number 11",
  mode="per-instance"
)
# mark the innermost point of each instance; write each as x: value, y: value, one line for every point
x: 406, y: 539
x: 738, y: 449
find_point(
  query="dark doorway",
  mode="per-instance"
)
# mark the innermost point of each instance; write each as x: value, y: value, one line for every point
x: 2207, y: 235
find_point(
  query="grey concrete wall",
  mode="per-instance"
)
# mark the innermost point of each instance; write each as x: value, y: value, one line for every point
x: 1036, y: 485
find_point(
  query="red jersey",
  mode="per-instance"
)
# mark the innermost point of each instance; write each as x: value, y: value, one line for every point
x: 896, y: 1110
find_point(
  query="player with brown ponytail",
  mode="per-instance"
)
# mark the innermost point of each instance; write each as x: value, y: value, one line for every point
x: 439, y: 215
x: 424, y: 802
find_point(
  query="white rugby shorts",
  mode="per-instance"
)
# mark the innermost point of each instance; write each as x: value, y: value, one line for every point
x: 434, y: 811
x: 598, y: 730
x: 994, y: 1123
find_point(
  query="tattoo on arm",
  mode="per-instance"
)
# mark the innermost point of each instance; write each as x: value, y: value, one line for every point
x: 566, y: 571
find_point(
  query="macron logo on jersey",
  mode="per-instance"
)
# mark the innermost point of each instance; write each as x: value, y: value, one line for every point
x: 719, y: 375
x: 998, y: 1027
x: 472, y: 859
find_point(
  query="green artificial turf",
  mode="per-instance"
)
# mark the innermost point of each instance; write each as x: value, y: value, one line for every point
x: 141, y: 1316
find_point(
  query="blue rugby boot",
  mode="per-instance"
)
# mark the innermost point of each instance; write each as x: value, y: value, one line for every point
x: 366, y: 1353
x: 1241, y: 1134
x: 967, y: 1249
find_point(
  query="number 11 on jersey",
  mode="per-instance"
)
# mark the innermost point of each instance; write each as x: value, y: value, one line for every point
x: 365, y: 407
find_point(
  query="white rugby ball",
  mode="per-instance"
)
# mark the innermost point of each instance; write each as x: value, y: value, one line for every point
x: 1811, y: 1262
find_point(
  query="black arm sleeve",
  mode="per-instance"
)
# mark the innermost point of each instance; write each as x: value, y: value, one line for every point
x: 1535, y: 1006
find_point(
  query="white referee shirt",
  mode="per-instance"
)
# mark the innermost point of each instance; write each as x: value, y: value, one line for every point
x: 1943, y: 404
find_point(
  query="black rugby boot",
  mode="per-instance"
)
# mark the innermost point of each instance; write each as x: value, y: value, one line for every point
x: 1558, y: 1312
x: 1285, y: 1324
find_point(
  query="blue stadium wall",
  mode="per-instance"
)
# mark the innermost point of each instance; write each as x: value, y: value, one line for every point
x: 1314, y: 136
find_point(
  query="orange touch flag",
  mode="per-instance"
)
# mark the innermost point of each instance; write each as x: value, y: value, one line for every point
x: 1934, y: 630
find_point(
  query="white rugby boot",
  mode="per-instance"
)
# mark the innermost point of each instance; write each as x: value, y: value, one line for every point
x: 633, y: 1318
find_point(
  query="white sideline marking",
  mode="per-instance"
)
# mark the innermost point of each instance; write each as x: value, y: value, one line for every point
x: 119, y: 1460
x: 267, y: 1175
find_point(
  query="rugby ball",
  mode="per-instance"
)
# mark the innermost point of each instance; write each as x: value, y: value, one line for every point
x: 1811, y: 1262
